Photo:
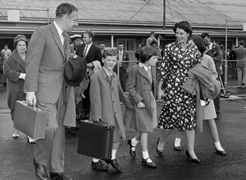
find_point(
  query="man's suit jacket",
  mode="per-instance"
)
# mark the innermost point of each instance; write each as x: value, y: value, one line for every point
x: 241, y: 55
x: 93, y: 54
x: 45, y: 67
x: 125, y: 57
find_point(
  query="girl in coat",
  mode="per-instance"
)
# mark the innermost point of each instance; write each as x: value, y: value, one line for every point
x: 141, y: 86
x: 105, y: 96
x: 14, y: 71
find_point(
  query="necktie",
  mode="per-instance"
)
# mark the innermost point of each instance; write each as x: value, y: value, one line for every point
x: 110, y: 78
x: 65, y: 45
x: 85, y: 51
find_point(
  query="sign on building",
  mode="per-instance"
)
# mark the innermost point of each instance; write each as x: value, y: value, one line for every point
x: 13, y: 15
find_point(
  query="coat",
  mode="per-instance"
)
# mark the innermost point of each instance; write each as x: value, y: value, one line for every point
x: 200, y: 74
x: 140, y: 88
x: 105, y: 100
x: 12, y: 68
x: 93, y: 54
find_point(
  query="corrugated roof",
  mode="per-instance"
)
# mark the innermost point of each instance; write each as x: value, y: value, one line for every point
x: 200, y: 12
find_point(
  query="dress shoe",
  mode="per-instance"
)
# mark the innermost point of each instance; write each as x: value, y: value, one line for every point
x: 132, y: 153
x: 195, y: 160
x: 30, y: 140
x: 177, y: 148
x: 15, y: 134
x: 99, y: 166
x: 40, y: 171
x: 148, y: 164
x: 59, y: 176
x: 159, y: 152
x: 114, y: 164
x: 222, y: 153
x: 86, y: 117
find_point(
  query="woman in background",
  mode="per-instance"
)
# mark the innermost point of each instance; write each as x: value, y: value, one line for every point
x: 14, y: 71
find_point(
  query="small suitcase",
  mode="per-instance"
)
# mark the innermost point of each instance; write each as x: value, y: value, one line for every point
x: 95, y: 140
x: 30, y: 120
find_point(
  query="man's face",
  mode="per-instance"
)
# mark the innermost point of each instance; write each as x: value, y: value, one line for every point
x: 71, y: 21
x: 120, y: 47
x: 102, y: 47
x: 87, y: 39
x: 5, y: 47
x: 206, y: 41
x: 77, y: 42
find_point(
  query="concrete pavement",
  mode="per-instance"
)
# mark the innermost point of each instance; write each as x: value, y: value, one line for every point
x: 16, y: 155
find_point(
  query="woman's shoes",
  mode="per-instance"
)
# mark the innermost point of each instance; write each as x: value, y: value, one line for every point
x: 148, y: 164
x: 177, y: 148
x: 159, y: 152
x: 30, y: 140
x: 195, y: 160
x: 222, y: 153
x: 15, y: 134
x: 132, y: 153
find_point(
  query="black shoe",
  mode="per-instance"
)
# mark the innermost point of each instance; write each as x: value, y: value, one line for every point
x: 132, y: 153
x: 40, y: 171
x: 114, y: 164
x: 222, y: 153
x: 148, y: 164
x: 86, y: 117
x: 159, y: 152
x: 59, y: 176
x: 195, y: 160
x: 177, y: 148
x: 99, y: 166
x: 30, y: 140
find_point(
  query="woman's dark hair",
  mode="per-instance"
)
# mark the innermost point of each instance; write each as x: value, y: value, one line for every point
x: 146, y: 53
x: 199, y: 43
x: 183, y: 25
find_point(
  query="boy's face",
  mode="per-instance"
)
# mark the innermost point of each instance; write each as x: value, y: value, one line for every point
x: 110, y: 62
x: 152, y: 61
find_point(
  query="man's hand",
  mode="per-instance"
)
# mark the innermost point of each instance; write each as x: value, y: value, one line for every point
x: 31, y: 98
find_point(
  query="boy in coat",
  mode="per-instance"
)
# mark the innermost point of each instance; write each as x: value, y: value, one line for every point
x: 105, y: 96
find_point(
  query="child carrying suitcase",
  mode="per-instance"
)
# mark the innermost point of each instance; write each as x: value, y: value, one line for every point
x: 105, y: 96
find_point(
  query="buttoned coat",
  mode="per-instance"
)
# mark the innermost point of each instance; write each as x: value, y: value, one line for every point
x: 12, y: 68
x: 44, y: 64
x: 105, y: 102
x: 140, y: 87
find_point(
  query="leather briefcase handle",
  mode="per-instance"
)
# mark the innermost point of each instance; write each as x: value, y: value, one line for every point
x: 28, y: 105
x: 103, y: 124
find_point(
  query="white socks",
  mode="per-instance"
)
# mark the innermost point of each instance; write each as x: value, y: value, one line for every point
x: 146, y: 156
x: 95, y: 160
x: 113, y: 153
x: 177, y: 142
x: 134, y: 143
x: 218, y: 146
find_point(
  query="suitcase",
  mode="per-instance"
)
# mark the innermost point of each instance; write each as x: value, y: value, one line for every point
x: 30, y: 120
x: 95, y: 140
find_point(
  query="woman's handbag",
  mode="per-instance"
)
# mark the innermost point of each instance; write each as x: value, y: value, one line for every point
x: 30, y: 120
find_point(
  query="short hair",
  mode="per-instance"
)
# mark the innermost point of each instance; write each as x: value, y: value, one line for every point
x: 205, y: 35
x: 120, y: 44
x: 90, y: 33
x: 109, y: 52
x: 241, y: 42
x: 185, y: 25
x: 146, y: 53
x: 65, y: 8
x: 6, y: 45
x: 152, y: 32
x: 199, y: 43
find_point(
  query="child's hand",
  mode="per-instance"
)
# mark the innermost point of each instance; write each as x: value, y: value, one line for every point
x: 141, y: 105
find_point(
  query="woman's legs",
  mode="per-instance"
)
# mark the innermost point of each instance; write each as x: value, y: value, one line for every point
x: 177, y: 140
x: 163, y: 139
x: 214, y: 133
x: 190, y: 135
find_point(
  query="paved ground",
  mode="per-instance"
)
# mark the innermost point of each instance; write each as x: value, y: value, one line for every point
x: 16, y: 155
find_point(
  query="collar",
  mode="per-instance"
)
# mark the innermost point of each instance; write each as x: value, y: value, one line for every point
x: 210, y: 46
x: 107, y: 72
x: 58, y: 29
x: 145, y: 67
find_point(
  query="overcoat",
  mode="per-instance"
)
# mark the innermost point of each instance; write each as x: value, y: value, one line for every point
x: 105, y: 102
x: 140, y: 88
x: 12, y: 68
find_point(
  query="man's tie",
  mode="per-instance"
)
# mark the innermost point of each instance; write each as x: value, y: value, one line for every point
x: 110, y: 78
x: 65, y: 45
x: 85, y: 51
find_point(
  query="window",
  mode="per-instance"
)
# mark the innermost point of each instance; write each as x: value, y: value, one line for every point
x: 129, y: 44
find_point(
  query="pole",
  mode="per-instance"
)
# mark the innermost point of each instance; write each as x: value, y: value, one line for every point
x: 226, y: 63
x: 164, y: 14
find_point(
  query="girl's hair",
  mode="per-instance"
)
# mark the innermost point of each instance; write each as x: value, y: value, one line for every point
x: 109, y: 52
x: 199, y: 43
x: 146, y: 53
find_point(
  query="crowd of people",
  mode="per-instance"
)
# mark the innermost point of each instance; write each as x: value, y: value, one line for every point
x: 187, y: 79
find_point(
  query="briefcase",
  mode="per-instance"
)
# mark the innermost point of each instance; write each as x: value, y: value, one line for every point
x: 95, y: 140
x: 30, y: 120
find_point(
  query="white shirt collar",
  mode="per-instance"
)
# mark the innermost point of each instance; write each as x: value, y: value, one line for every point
x: 107, y: 72
x: 145, y: 67
x: 59, y: 32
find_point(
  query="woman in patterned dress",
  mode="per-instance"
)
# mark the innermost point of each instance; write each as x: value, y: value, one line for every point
x: 179, y: 107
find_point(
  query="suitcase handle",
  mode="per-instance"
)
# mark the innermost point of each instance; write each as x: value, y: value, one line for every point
x: 28, y: 105
x: 108, y: 127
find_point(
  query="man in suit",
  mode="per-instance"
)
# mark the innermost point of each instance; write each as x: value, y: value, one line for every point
x: 47, y: 54
x: 91, y: 53
x: 241, y: 56
x: 213, y: 50
x: 123, y: 62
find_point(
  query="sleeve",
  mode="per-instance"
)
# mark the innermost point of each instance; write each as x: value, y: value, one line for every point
x: 95, y: 97
x: 165, y: 64
x: 9, y: 73
x: 79, y: 51
x: 218, y: 54
x: 124, y: 99
x: 33, y: 58
x: 131, y: 86
x: 98, y: 55
x: 212, y: 67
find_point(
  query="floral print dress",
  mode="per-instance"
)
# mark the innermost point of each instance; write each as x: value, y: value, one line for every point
x: 179, y: 107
